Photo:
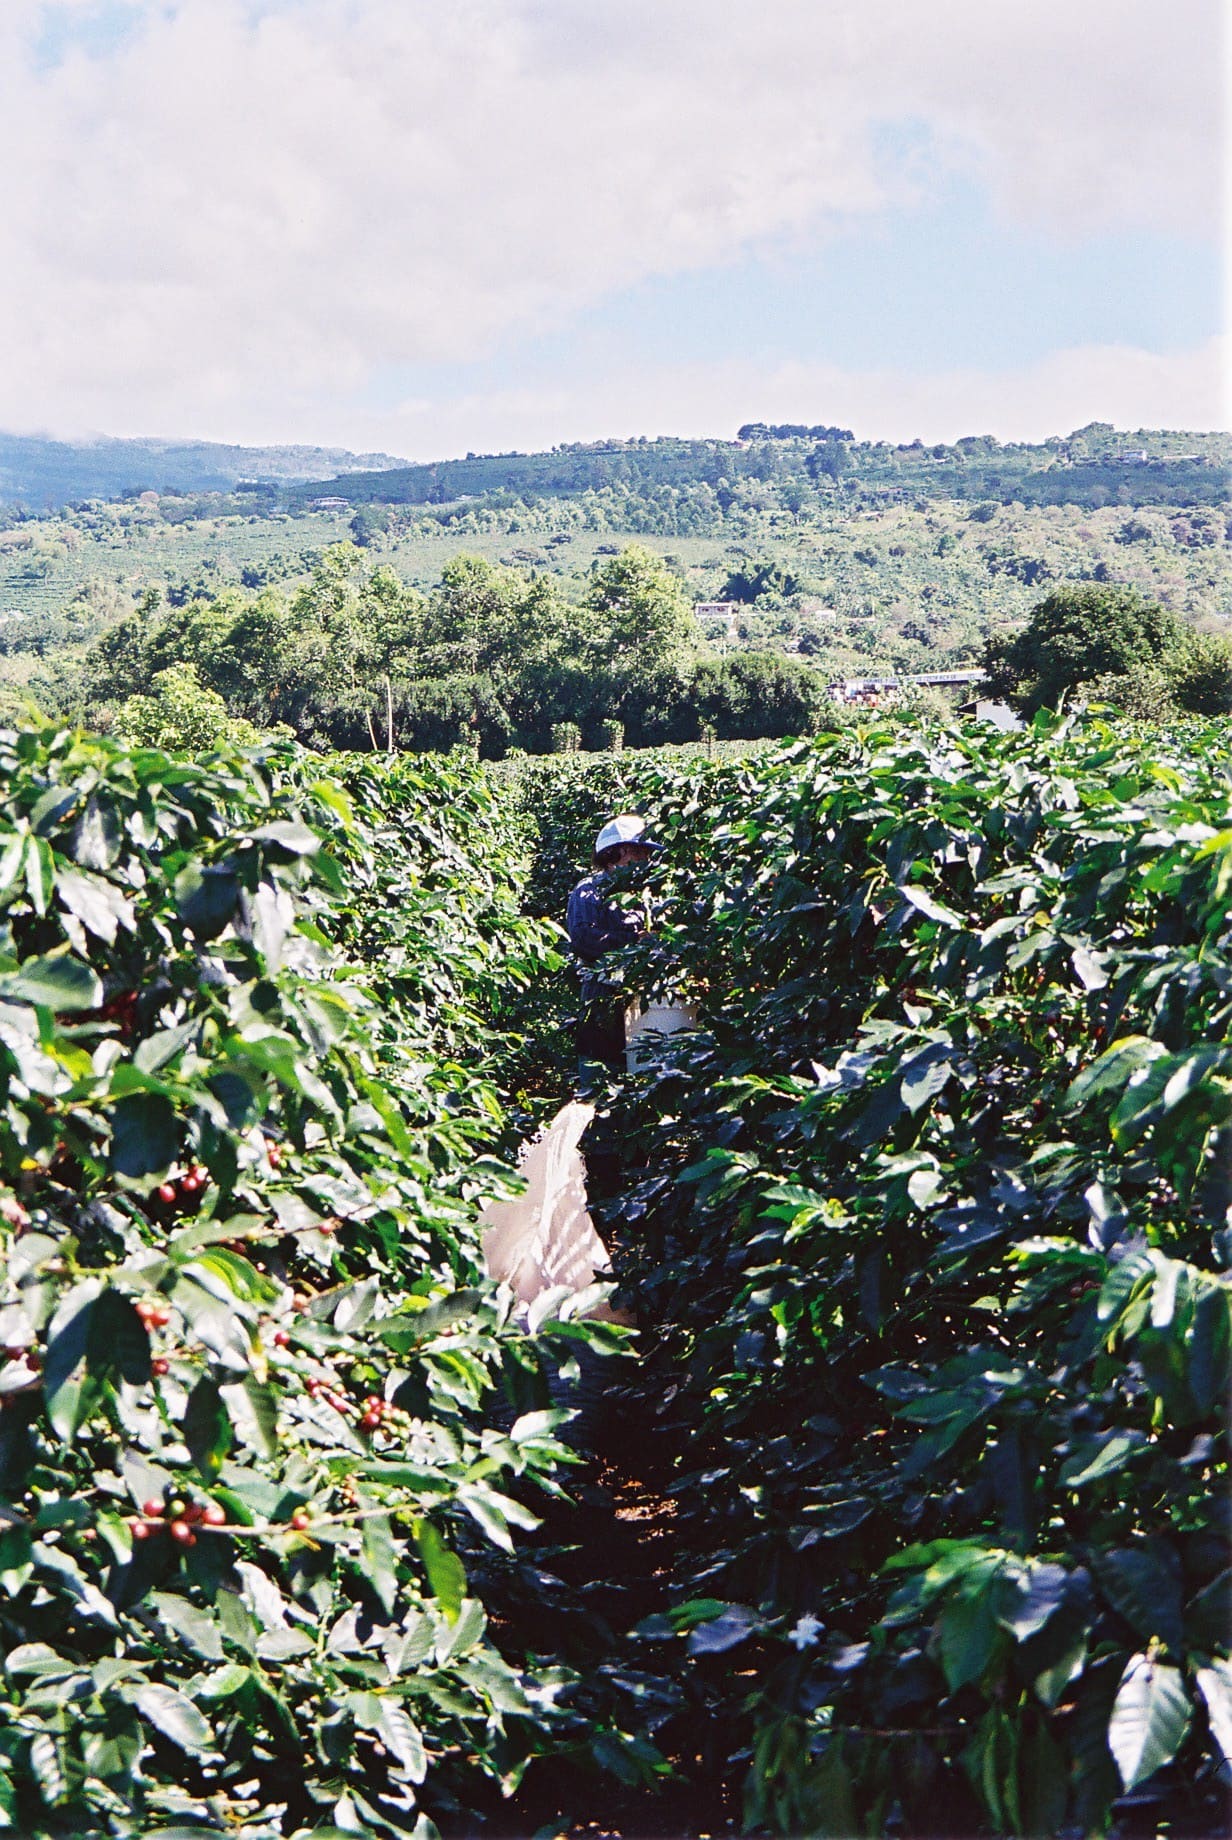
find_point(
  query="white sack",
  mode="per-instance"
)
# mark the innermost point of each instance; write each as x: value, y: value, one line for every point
x: 546, y: 1237
x: 656, y: 1020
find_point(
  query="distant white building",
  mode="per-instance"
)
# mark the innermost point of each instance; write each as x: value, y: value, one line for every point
x: 999, y: 714
x: 718, y: 610
x: 330, y: 504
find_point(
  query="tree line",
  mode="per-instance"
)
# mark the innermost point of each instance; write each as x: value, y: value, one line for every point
x: 355, y: 658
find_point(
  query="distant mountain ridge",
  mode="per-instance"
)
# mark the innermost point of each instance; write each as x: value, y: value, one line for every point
x: 40, y: 473
x: 1152, y: 465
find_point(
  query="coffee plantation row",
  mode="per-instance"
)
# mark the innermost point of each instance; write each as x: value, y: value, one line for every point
x: 925, y: 1225
x: 932, y: 1229
x: 248, y: 1445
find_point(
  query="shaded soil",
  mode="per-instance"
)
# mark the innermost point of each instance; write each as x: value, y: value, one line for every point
x: 610, y: 1549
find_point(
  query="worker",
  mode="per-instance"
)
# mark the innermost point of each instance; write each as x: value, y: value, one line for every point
x: 596, y: 926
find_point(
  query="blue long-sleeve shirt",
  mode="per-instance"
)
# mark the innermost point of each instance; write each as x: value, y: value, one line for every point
x: 594, y: 924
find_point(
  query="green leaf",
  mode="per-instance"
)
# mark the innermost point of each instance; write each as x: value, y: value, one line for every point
x: 480, y: 1505
x: 466, y: 1634
x: 68, y: 1395
x: 118, y: 1341
x: 289, y: 835
x: 1209, y: 1348
x: 406, y: 1476
x: 11, y: 859
x: 224, y: 1682
x: 932, y: 910
x: 966, y: 1634
x: 1101, y: 1457
x: 176, y: 1717
x: 1150, y: 1717
x: 403, y: 1738
x: 197, y: 1833
x: 253, y: 1411
x: 1111, y: 1070
x: 1088, y: 968
x: 16, y: 1564
x: 715, y: 1636
x: 206, y: 898
x: 446, y: 1577
x: 380, y: 1559
x: 1158, y: 1090
x: 924, y: 1075
x: 54, y: 981
x: 47, y: 1763
x: 1144, y: 1584
x: 8, y: 1800
x: 37, y: 1659
x: 98, y: 904
x: 926, y: 1187
x: 1025, y: 1603
x: 1215, y: 1685
x: 240, y: 1277
x: 98, y: 836
x: 239, y: 1626
x: 40, y: 867
x: 1052, y: 1680
x: 207, y: 1428
x: 145, y: 1136
x: 186, y: 1623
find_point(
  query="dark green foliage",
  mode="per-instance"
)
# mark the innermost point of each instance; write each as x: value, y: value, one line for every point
x: 1075, y: 634
x: 356, y: 660
x: 642, y: 617
x: 930, y: 1246
x: 931, y: 584
x: 927, y: 1226
x: 1201, y: 675
x: 752, y: 694
x: 240, y: 1160
x: 757, y: 578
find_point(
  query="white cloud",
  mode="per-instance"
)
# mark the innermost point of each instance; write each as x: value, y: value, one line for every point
x: 243, y: 213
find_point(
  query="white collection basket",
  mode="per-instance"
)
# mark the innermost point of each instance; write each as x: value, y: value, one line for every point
x: 646, y: 1027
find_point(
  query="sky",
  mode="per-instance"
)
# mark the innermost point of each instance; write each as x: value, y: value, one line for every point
x: 428, y: 229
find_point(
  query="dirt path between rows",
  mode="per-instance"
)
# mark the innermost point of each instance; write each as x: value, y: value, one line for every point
x: 612, y: 1548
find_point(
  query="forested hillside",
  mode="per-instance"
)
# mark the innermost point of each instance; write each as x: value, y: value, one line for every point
x: 925, y: 1227
x: 855, y: 555
x: 1087, y: 467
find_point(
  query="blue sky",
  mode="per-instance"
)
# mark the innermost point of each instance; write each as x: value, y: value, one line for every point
x: 913, y: 290
x: 96, y: 30
x: 378, y: 223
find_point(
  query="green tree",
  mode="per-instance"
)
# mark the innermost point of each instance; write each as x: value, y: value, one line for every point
x: 1202, y: 675
x: 755, y: 694
x: 829, y: 460
x: 1079, y: 632
x: 643, y: 618
x: 754, y: 579
x: 181, y: 715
